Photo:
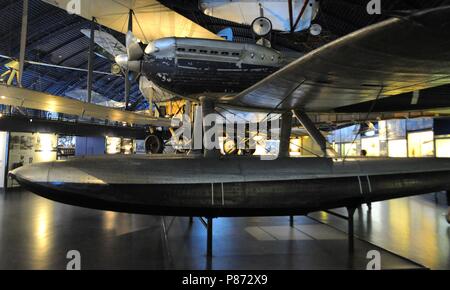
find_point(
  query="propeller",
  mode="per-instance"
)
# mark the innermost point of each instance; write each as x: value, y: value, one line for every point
x: 132, y: 60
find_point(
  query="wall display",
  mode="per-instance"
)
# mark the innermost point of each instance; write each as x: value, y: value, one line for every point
x: 443, y: 147
x: 127, y: 146
x: 66, y: 141
x: 421, y: 144
x: 398, y: 148
x: 139, y: 147
x: 371, y: 146
x: 28, y: 148
x: 66, y: 147
x: 113, y: 145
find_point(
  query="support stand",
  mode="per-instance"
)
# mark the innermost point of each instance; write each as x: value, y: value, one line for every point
x: 208, y: 108
x: 165, y: 238
x: 209, y: 235
x: 350, y: 224
x: 209, y: 238
x: 351, y: 236
x: 291, y: 221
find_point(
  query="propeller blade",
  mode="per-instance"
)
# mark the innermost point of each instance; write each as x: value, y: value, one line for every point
x: 134, y: 49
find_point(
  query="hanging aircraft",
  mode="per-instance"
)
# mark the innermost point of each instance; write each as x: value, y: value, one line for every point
x: 111, y: 49
x: 285, y: 16
x: 391, y: 57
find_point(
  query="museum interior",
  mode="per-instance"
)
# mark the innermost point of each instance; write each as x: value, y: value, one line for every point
x: 343, y: 105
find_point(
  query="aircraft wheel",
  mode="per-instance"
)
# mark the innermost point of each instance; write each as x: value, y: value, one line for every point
x: 229, y: 147
x: 154, y: 144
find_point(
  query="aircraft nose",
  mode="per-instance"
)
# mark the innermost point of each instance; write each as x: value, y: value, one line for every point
x: 123, y: 62
x: 34, y: 173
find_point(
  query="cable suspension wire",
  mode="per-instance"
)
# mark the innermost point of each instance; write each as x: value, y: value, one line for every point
x: 372, y: 107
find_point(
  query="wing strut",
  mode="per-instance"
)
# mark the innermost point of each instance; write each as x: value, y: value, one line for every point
x: 285, y: 134
x: 315, y: 134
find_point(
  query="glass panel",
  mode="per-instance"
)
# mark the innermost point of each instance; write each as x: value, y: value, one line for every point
x: 396, y: 129
x: 419, y: 124
x: 443, y: 148
x: 371, y: 146
x: 421, y: 144
x: 397, y: 148
x: 350, y: 149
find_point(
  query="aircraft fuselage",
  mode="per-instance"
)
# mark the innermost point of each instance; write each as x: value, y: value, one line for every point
x: 195, y: 67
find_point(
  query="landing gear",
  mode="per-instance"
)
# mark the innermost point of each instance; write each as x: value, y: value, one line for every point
x: 154, y: 144
x: 230, y: 148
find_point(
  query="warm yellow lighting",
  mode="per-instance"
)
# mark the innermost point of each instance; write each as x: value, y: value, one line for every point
x: 295, y: 147
x: 113, y: 145
x: 397, y: 148
x: 443, y: 148
x: 45, y: 145
x: 42, y: 239
x: 400, y: 223
x: 371, y: 145
x: 350, y: 149
x: 109, y: 220
x: 421, y: 144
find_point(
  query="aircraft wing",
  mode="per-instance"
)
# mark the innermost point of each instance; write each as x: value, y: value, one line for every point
x: 13, y: 96
x: 395, y: 56
x: 152, y: 20
x: 106, y: 41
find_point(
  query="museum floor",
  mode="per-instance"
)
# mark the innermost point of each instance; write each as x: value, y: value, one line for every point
x: 37, y: 234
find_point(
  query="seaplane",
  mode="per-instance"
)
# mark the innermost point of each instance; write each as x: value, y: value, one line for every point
x: 398, y: 55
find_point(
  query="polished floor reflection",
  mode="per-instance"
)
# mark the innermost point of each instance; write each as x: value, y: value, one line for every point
x: 412, y: 227
x: 37, y: 234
